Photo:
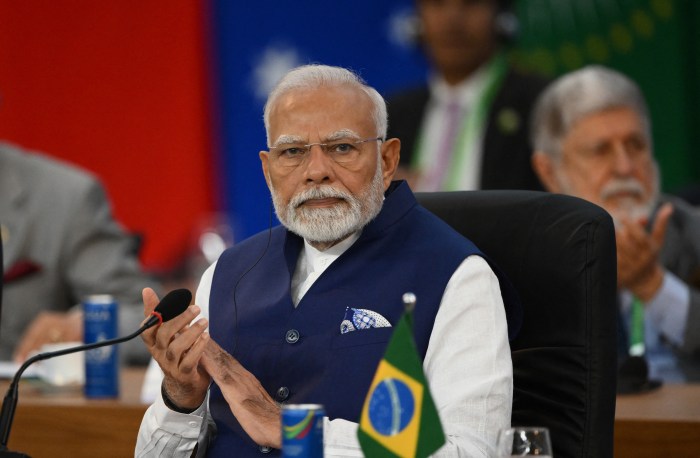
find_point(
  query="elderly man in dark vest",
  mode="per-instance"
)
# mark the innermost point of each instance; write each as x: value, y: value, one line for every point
x: 302, y: 313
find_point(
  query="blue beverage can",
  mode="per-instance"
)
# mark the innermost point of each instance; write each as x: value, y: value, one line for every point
x: 101, y: 322
x: 302, y: 430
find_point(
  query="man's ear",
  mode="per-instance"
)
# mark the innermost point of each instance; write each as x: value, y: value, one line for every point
x: 390, y: 154
x: 265, y: 162
x: 545, y: 168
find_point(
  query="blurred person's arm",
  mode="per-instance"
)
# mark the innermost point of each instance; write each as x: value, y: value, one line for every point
x: 97, y: 257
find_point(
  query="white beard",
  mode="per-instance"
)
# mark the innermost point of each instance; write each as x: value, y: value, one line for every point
x: 332, y: 224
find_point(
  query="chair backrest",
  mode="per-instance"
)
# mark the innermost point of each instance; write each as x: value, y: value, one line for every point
x: 559, y: 253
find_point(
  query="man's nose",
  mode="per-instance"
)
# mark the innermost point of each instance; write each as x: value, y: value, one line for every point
x: 319, y: 167
x: 623, y: 163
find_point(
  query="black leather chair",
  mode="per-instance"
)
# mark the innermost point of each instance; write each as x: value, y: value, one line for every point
x: 559, y: 253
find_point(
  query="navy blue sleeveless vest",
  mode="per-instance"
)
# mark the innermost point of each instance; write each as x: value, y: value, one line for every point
x: 299, y: 354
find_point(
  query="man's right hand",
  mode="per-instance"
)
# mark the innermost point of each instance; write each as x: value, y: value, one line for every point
x: 177, y: 347
x: 639, y: 268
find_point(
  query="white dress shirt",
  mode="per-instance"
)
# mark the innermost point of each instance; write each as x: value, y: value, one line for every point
x: 466, y: 94
x: 467, y: 365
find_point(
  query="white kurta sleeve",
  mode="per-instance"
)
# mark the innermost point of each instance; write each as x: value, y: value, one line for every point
x: 467, y: 365
x: 167, y: 433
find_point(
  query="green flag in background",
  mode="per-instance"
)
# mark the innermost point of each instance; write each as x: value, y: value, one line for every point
x: 399, y: 417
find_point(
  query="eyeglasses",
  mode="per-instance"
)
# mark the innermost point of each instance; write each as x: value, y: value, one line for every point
x: 342, y: 151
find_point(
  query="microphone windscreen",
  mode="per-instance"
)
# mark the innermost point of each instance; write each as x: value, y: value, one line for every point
x: 174, y: 303
x: 634, y: 367
x: 633, y: 376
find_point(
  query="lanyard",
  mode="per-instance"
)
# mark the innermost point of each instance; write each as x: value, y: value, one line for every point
x: 637, y: 328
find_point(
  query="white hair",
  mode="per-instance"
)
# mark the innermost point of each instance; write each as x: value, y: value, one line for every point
x: 315, y: 76
x: 575, y: 95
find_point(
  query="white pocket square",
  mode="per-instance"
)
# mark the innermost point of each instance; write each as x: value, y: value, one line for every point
x: 358, y: 319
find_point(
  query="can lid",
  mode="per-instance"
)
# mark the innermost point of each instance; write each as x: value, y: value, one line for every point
x: 302, y: 407
x: 99, y: 299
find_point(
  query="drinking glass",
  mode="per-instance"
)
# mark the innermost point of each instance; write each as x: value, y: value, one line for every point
x: 524, y: 441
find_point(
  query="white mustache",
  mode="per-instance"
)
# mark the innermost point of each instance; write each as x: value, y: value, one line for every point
x: 618, y: 186
x: 320, y: 192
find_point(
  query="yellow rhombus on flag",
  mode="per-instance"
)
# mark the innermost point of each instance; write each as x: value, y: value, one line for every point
x: 399, y: 417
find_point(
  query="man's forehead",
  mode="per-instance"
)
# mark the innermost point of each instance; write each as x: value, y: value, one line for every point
x: 605, y: 124
x: 321, y: 114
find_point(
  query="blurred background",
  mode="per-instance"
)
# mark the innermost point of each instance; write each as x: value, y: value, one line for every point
x: 162, y: 99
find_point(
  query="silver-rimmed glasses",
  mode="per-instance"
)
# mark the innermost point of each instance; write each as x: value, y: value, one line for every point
x: 342, y: 151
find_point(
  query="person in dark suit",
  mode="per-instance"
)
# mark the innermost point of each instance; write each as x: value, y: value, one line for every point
x: 61, y: 244
x: 592, y: 137
x: 468, y: 127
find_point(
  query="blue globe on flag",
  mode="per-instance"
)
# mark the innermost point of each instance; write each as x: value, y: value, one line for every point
x: 391, y: 407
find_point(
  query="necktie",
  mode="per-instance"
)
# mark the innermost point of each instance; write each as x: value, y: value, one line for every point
x: 453, y: 118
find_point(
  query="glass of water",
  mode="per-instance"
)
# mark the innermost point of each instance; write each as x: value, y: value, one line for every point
x: 524, y: 441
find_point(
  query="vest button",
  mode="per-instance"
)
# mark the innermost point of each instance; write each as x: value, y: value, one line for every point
x: 265, y: 449
x: 282, y: 393
x: 292, y: 336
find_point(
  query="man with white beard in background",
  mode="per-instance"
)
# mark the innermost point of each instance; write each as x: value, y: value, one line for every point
x: 302, y: 313
x: 592, y: 139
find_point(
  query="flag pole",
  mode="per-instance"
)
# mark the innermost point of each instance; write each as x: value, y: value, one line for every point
x: 409, y: 303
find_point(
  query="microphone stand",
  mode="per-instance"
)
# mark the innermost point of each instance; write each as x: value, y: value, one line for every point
x: 9, y: 403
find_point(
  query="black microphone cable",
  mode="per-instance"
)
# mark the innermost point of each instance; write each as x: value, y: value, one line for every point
x: 172, y: 305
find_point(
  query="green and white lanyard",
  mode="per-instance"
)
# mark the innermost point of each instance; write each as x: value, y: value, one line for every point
x: 636, y: 337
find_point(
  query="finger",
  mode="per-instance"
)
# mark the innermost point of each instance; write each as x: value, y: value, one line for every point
x: 658, y: 232
x: 183, y: 341
x: 172, y: 345
x: 178, y: 325
x: 181, y: 357
x: 190, y: 360
x: 150, y: 301
x: 637, y: 234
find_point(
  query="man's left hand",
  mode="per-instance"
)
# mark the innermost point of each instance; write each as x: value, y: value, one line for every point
x: 255, y: 410
x: 638, y: 266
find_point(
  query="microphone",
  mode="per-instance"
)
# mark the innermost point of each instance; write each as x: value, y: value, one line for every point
x: 172, y: 305
x: 633, y: 376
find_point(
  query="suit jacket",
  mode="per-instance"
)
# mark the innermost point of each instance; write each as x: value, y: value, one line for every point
x: 505, y: 152
x: 680, y: 254
x: 60, y: 244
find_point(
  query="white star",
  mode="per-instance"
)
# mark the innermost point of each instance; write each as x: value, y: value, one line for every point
x: 403, y: 28
x: 274, y: 63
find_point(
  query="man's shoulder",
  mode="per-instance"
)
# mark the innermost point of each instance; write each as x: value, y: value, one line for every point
x: 521, y: 86
x: 256, y: 245
x: 38, y: 165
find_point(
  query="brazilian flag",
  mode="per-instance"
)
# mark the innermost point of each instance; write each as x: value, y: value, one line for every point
x: 399, y: 417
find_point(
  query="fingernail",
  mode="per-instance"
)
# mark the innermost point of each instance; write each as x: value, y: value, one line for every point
x: 194, y: 309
